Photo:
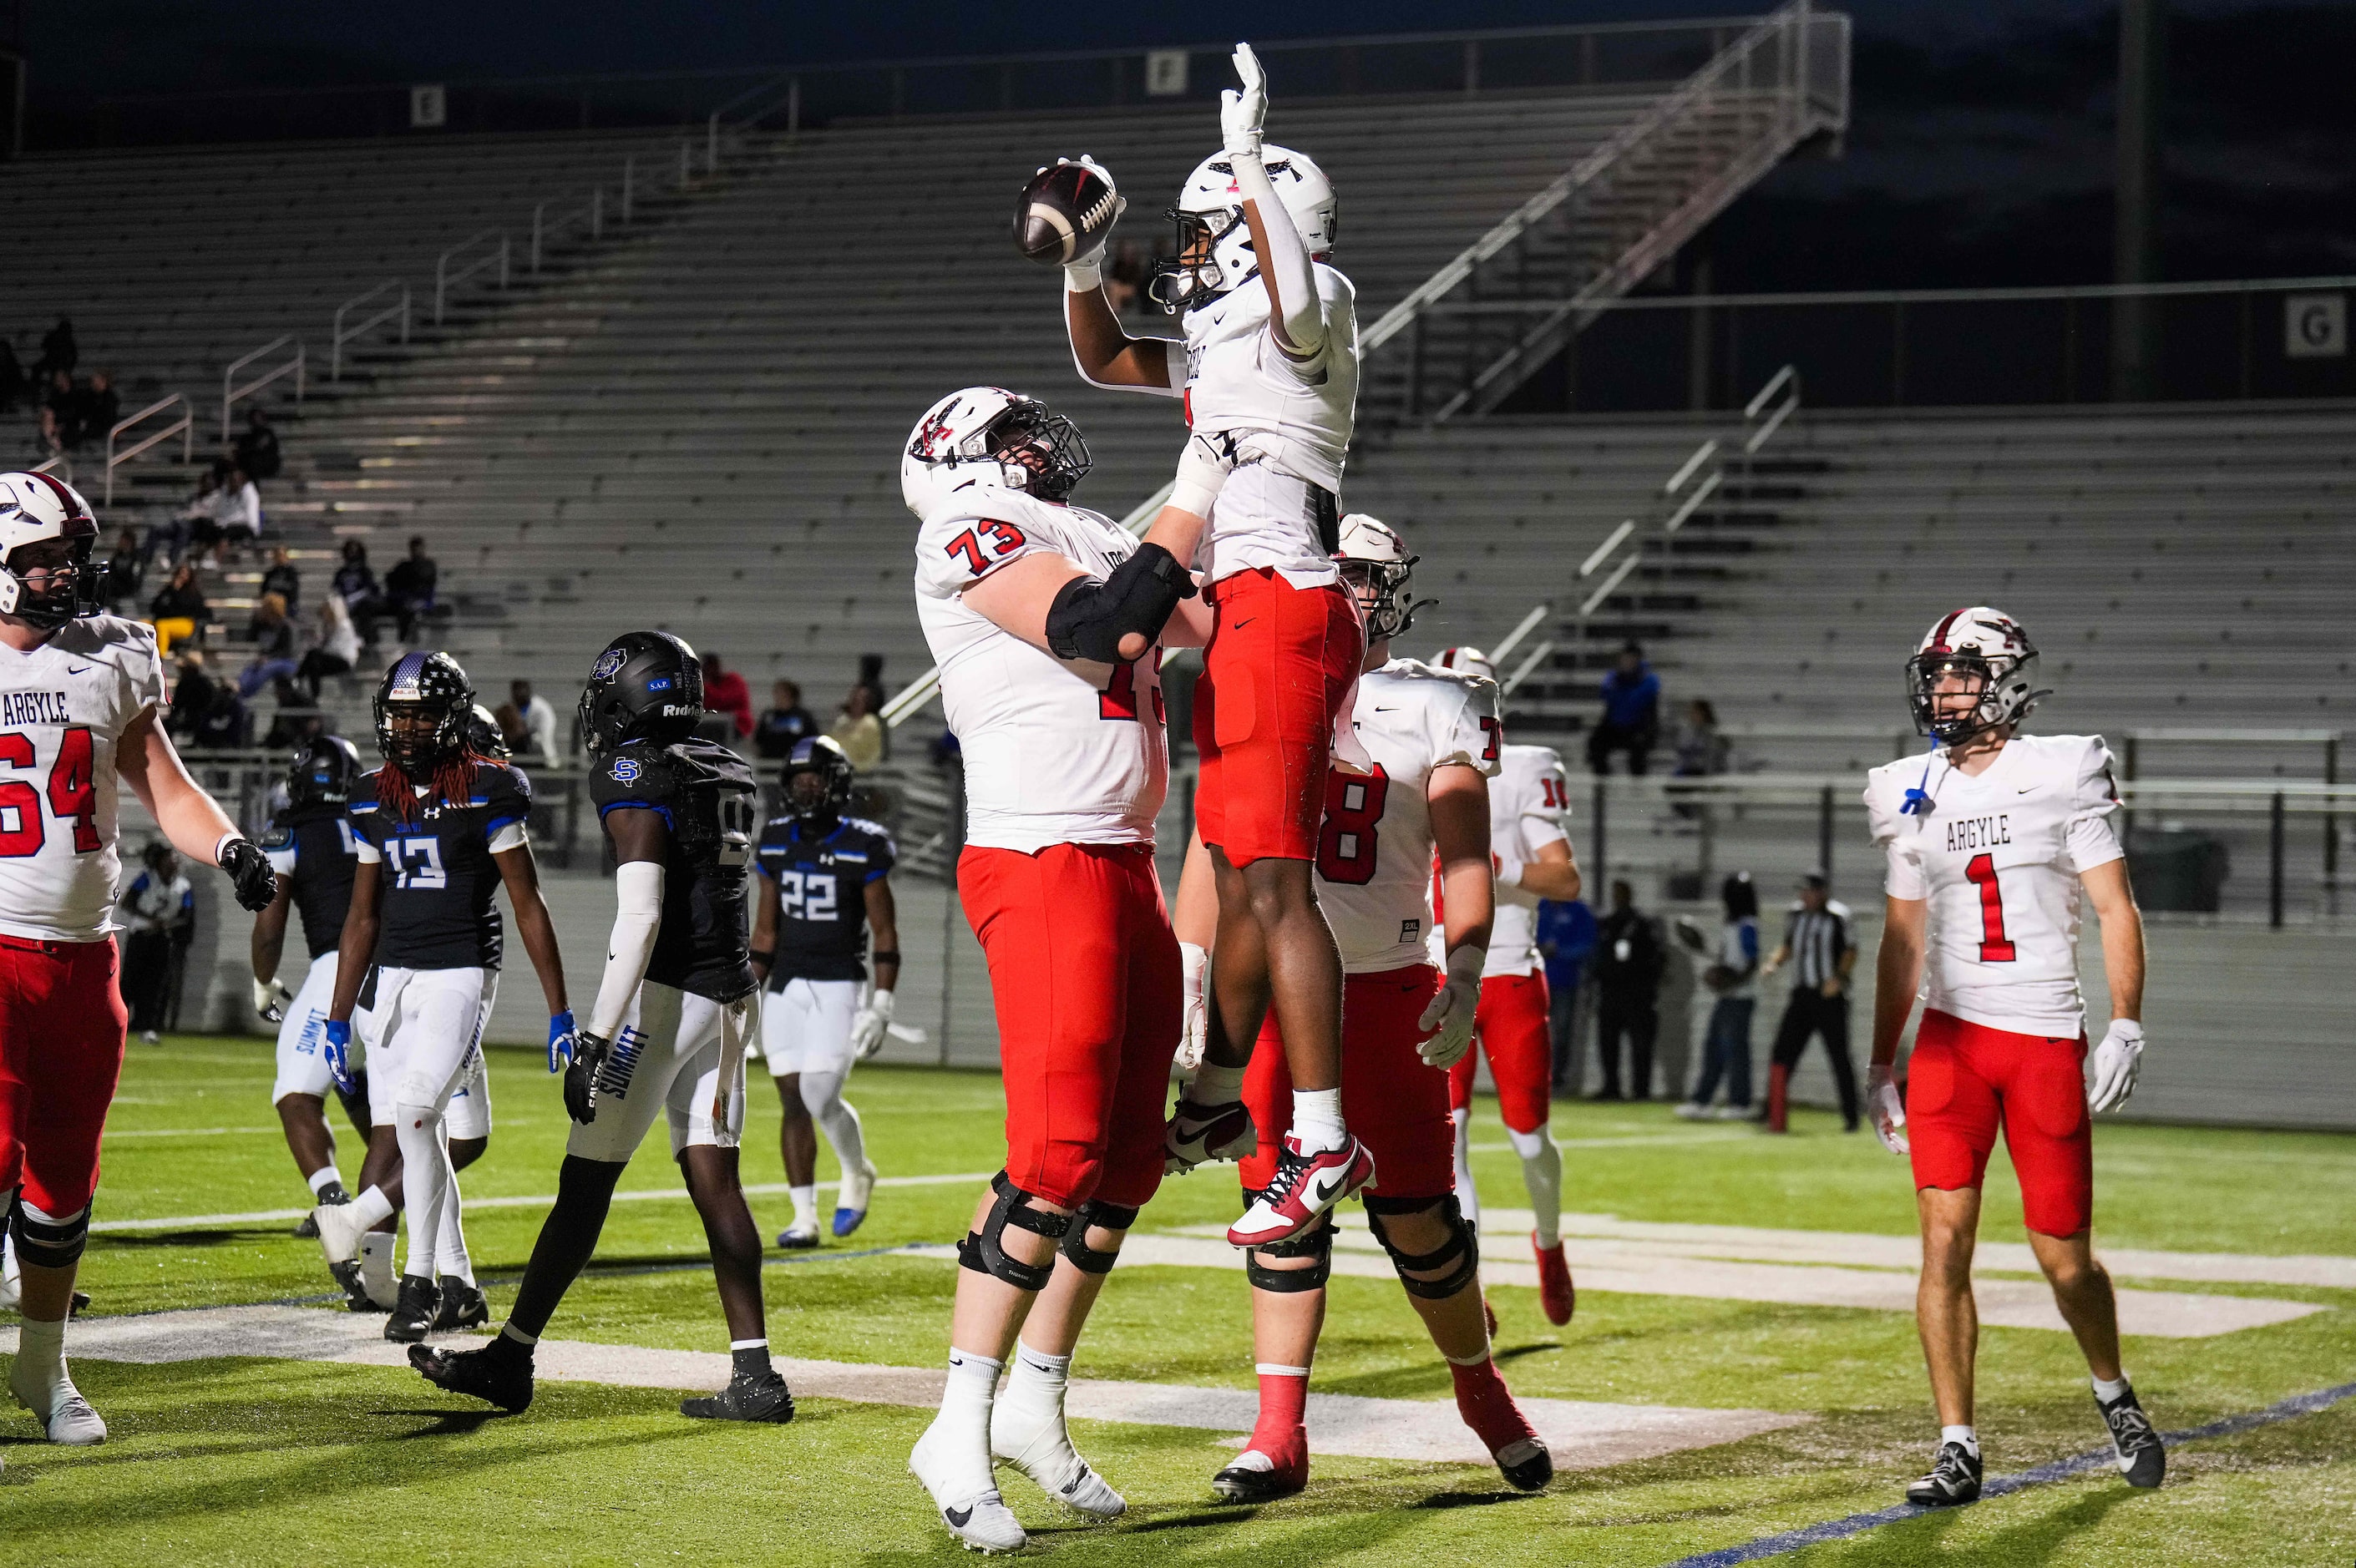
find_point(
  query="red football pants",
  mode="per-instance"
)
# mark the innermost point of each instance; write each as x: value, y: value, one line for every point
x: 1279, y: 664
x: 61, y: 1027
x: 1511, y: 1027
x: 1394, y: 1103
x: 1965, y: 1081
x: 1084, y: 972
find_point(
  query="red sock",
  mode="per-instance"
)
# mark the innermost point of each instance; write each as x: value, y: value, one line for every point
x: 1487, y: 1405
x: 1280, y: 1433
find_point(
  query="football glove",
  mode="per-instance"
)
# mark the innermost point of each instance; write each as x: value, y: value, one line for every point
x: 339, y: 1050
x: 561, y: 1033
x: 2111, y: 1073
x: 270, y: 999
x: 250, y: 873
x: 1194, y: 1025
x: 1886, y: 1109
x: 590, y: 1053
x: 1241, y: 114
x: 1450, y: 1015
x: 869, y: 1024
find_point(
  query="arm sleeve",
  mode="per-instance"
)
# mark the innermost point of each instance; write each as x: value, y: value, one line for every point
x: 954, y: 552
x: 2092, y: 839
x: 638, y: 918
x: 1287, y: 264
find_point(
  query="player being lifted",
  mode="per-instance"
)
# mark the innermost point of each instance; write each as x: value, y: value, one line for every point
x: 439, y: 829
x: 79, y: 695
x: 1434, y: 739
x: 1527, y: 801
x: 1066, y: 768
x: 824, y: 881
x: 1992, y: 841
x: 1269, y: 372
x: 666, y: 1035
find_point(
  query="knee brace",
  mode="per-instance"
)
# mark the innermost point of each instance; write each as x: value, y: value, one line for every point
x: 45, y: 1242
x: 980, y: 1251
x: 1463, y: 1247
x: 1317, y: 1245
x: 1106, y: 1216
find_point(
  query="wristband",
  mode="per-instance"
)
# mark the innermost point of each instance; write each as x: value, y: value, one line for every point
x: 886, y: 955
x: 1084, y: 276
x: 763, y: 955
x: 221, y: 848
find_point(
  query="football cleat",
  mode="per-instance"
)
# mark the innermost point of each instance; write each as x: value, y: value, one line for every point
x: 1487, y: 1406
x: 1557, y: 1295
x: 330, y: 1197
x: 1198, y: 1134
x: 413, y: 1311
x: 463, y: 1305
x: 339, y: 1232
x: 73, y: 1423
x: 1044, y: 1453
x: 2142, y: 1459
x: 1528, y: 1465
x: 851, y: 1198
x: 500, y: 1373
x: 1305, y: 1186
x: 969, y: 1504
x: 762, y: 1398
x: 797, y: 1238
x: 356, y: 1290
x: 1954, y: 1479
x: 1257, y: 1477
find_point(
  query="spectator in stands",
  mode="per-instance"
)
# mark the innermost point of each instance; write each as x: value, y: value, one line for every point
x: 256, y: 446
x: 126, y: 570
x: 857, y: 729
x: 283, y: 578
x: 354, y: 584
x: 1124, y: 280
x: 785, y: 723
x: 233, y: 517
x: 159, y: 919
x: 60, y: 354
x: 1631, y: 720
x: 1629, y: 958
x: 1566, y: 933
x: 336, y: 651
x: 61, y: 413
x: 1817, y: 945
x: 1702, y: 750
x: 409, y: 589
x: 224, y: 726
x: 13, y: 384
x: 192, y: 693
x: 529, y: 721
x: 724, y: 692
x: 1731, y: 974
x: 179, y: 609
x: 274, y: 647
x: 99, y: 406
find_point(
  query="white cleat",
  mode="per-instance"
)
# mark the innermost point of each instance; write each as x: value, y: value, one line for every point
x: 340, y: 1231
x: 962, y: 1491
x: 851, y: 1198
x: 65, y: 1416
x: 1044, y: 1453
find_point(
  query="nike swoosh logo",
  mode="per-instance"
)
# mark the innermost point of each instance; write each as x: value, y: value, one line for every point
x: 1386, y: 709
x: 79, y: 670
x: 1246, y: 621
x: 959, y: 1518
x: 2032, y: 789
x: 1321, y: 1187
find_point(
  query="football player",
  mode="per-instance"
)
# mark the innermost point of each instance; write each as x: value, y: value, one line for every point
x: 1995, y: 839
x: 1065, y: 766
x: 1269, y: 372
x: 666, y: 1035
x: 824, y: 881
x: 438, y: 828
x: 79, y: 697
x: 1532, y: 855
x: 1433, y: 738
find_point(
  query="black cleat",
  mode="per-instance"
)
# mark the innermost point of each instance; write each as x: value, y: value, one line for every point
x: 762, y: 1398
x: 413, y: 1311
x: 356, y: 1295
x: 2142, y: 1460
x: 1954, y: 1479
x: 463, y: 1305
x: 1241, y: 1484
x: 1528, y: 1465
x: 497, y: 1373
x: 77, y: 1304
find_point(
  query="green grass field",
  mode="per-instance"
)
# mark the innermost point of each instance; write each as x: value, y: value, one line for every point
x: 253, y: 1460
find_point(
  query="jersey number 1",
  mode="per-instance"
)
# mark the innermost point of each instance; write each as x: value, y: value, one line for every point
x: 73, y: 796
x: 1995, y: 948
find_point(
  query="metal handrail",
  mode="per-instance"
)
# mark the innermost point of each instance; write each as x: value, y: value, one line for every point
x: 232, y: 393
x: 2028, y: 293
x: 61, y: 465
x: 343, y: 334
x: 445, y: 280
x: 593, y: 212
x: 184, y: 427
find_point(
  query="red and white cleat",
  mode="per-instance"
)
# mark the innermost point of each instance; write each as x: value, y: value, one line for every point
x: 1198, y: 1134
x: 1556, y: 1293
x: 1306, y: 1186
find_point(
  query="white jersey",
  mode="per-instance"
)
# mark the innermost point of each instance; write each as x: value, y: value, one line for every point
x: 1998, y: 856
x: 1055, y: 752
x: 1291, y: 422
x: 1375, y: 848
x: 1526, y: 806
x: 63, y: 708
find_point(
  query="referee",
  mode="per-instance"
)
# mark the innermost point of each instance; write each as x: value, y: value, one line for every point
x: 1817, y: 944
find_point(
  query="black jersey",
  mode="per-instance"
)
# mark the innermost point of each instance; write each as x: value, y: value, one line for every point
x: 822, y: 896
x: 313, y: 849
x: 439, y: 877
x: 706, y: 795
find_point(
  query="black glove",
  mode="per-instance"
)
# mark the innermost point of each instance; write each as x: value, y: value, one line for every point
x: 250, y: 873
x: 589, y: 1055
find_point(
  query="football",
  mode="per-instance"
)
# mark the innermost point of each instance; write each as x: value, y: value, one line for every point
x: 1064, y: 212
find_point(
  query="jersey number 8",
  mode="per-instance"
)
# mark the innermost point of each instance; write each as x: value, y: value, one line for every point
x: 1345, y: 845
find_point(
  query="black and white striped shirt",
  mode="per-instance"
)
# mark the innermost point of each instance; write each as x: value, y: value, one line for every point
x: 1816, y: 938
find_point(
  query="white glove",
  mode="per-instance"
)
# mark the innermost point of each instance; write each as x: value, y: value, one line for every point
x: 270, y: 998
x: 2111, y: 1075
x: 1887, y: 1111
x: 1084, y: 273
x: 1451, y: 1012
x: 1195, y: 1014
x: 1241, y: 114
x: 1204, y: 465
x: 869, y: 1023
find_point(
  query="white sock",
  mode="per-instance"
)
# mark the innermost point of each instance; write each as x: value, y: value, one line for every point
x: 8, y: 1243
x: 1036, y: 1385
x: 2107, y: 1391
x: 426, y: 1183
x: 1542, y: 1174
x: 322, y: 1178
x: 450, y: 1259
x: 1317, y: 1120
x: 804, y: 1207
x: 1969, y: 1436
x: 375, y: 1266
x: 822, y: 1098
x: 963, y: 1424
x: 39, y: 1376
x: 1468, y: 1197
x: 372, y: 1207
x: 1215, y: 1085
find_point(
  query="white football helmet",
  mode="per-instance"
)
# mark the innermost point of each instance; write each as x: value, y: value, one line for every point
x: 1379, y: 569
x: 1214, y: 246
x: 1972, y: 651
x: 988, y: 435
x: 1466, y: 661
x: 36, y: 511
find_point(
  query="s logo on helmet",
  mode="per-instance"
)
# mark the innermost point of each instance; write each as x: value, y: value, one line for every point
x: 627, y: 769
x: 608, y: 665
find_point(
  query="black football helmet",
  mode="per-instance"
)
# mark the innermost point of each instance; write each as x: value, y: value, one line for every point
x: 323, y: 773
x: 432, y: 685
x: 485, y: 737
x: 821, y: 759
x: 646, y: 686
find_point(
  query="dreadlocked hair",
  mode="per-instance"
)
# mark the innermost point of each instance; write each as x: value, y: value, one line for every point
x: 453, y: 785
